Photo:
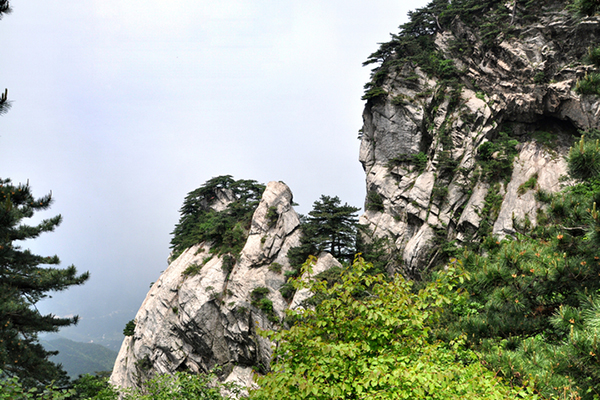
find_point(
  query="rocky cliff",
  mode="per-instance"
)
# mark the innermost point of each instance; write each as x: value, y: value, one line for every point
x: 422, y: 137
x: 452, y: 153
x: 198, y: 315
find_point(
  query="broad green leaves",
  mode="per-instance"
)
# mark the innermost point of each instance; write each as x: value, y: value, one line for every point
x: 370, y: 339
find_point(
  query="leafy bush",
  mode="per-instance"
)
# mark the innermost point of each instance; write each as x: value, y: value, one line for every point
x: 228, y: 263
x: 275, y: 267
x: 540, y: 78
x: 260, y: 301
x: 374, y: 93
x: 272, y: 216
x: 593, y: 56
x: 590, y: 84
x: 419, y: 161
x: 584, y: 160
x: 11, y: 388
x: 534, y: 301
x: 192, y: 269
x: 496, y: 158
x: 182, y: 386
x: 370, y: 338
x: 528, y: 185
x: 374, y: 201
x: 94, y: 387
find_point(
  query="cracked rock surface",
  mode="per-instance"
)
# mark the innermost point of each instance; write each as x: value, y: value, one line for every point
x: 199, y: 321
x: 499, y: 91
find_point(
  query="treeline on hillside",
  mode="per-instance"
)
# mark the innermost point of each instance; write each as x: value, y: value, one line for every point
x: 492, y: 19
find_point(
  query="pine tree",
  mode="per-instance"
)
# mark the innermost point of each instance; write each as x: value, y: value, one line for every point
x: 25, y: 279
x: 331, y: 227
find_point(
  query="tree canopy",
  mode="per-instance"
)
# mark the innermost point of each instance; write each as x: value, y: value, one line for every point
x: 225, y: 228
x: 25, y: 279
x: 534, y: 307
x: 370, y: 338
x: 331, y: 227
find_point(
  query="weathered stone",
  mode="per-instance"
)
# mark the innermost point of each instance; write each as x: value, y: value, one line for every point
x: 519, y: 204
x: 500, y: 88
x: 200, y: 320
x: 324, y: 262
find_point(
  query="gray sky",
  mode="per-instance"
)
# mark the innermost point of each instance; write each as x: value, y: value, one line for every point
x: 122, y: 107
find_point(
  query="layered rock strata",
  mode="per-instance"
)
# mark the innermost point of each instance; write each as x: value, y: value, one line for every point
x: 197, y: 315
x: 524, y: 86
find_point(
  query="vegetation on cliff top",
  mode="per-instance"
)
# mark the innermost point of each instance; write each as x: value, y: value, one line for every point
x: 492, y: 20
x: 226, y: 230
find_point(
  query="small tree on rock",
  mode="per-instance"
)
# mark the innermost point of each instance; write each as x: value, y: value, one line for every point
x: 330, y: 227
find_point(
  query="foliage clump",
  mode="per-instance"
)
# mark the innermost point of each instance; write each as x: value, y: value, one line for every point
x: 496, y: 158
x: 260, y: 301
x: 418, y: 161
x: 129, y: 328
x: 533, y: 305
x: 414, y: 43
x: 587, y: 7
x: 226, y: 230
x: 590, y: 84
x: 370, y: 338
x: 330, y: 226
x: 374, y: 201
x: 25, y: 279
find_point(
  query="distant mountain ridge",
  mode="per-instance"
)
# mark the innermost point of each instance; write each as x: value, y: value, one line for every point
x: 79, y: 358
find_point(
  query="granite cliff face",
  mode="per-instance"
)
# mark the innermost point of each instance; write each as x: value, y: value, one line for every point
x: 197, y: 320
x: 523, y: 86
x: 430, y: 178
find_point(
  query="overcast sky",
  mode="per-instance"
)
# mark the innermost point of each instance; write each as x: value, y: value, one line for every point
x: 122, y: 107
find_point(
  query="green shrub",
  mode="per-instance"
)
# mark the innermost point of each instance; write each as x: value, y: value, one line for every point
x: 370, y: 338
x: 374, y: 201
x: 272, y: 216
x: 593, y: 56
x: 486, y: 150
x: 94, y: 387
x: 547, y: 139
x: 496, y: 158
x: 11, y: 388
x: 192, y: 269
x: 528, y: 185
x: 587, y: 7
x: 419, y: 160
x: 225, y: 230
x: 287, y: 291
x: 590, y: 84
x: 183, y: 386
x: 584, y: 160
x: 260, y: 301
x: 275, y: 267
x: 129, y: 328
x: 228, y: 263
x: 540, y: 78
x: 400, y: 99
x: 374, y: 93
x: 259, y: 292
